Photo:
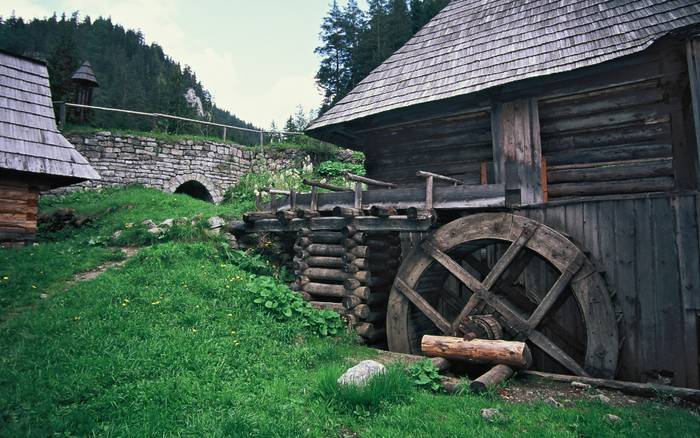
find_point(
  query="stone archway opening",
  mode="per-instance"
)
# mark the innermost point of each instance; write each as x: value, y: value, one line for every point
x: 196, y: 190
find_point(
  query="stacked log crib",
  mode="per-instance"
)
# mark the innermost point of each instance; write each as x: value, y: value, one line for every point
x: 350, y: 272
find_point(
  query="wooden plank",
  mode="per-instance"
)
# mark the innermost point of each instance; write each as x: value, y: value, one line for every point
x: 640, y: 185
x: 693, y: 59
x: 611, y: 171
x: 688, y: 242
x: 607, y: 154
x: 414, y: 297
x: 619, y: 239
x: 667, y: 297
x: 554, y: 292
x: 517, y: 148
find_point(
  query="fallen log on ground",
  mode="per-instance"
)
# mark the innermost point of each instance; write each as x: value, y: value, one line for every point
x: 496, y: 375
x: 483, y: 351
x: 632, y: 388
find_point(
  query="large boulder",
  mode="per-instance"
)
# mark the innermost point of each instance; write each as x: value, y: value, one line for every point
x: 361, y: 373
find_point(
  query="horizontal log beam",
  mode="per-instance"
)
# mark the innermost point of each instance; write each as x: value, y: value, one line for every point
x: 445, y: 197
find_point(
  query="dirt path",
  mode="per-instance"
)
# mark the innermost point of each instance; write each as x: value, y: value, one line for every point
x: 129, y: 252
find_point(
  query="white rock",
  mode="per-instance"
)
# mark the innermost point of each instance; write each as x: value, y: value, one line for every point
x: 601, y: 398
x: 117, y: 234
x: 150, y: 224
x: 361, y: 373
x: 490, y: 413
x: 553, y: 402
x: 612, y: 418
x: 43, y: 296
x: 166, y: 223
x: 580, y: 385
x: 215, y: 222
x: 155, y: 230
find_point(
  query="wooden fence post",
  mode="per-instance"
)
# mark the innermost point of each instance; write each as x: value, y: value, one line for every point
x: 62, y: 114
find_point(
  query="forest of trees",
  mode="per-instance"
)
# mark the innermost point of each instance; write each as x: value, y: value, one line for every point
x: 355, y: 42
x: 132, y: 74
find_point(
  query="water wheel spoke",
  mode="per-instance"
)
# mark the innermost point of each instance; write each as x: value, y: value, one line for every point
x: 507, y: 258
x: 555, y: 292
x: 512, y: 316
x: 556, y: 353
x: 414, y: 297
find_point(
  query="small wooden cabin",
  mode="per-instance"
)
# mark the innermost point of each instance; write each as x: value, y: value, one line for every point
x: 589, y: 112
x: 34, y: 156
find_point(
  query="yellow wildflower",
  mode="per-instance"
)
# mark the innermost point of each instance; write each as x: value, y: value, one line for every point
x: 155, y: 303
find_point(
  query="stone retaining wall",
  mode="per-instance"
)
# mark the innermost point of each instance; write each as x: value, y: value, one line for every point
x: 166, y: 165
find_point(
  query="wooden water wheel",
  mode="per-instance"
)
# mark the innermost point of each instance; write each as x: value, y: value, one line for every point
x: 504, y: 276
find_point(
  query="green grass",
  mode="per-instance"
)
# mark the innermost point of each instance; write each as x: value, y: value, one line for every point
x: 174, y: 343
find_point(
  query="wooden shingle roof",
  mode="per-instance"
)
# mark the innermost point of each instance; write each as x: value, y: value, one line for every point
x: 29, y: 138
x: 473, y: 45
x: 86, y: 74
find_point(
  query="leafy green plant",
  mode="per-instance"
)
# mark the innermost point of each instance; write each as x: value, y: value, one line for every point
x: 335, y: 169
x: 286, y: 305
x: 248, y: 261
x: 425, y: 375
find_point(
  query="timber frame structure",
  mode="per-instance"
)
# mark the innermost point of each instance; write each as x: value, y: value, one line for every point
x: 537, y: 184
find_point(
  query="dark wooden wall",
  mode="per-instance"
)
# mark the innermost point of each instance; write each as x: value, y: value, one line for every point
x: 625, y: 138
x: 453, y: 146
x: 18, y: 213
x: 648, y: 248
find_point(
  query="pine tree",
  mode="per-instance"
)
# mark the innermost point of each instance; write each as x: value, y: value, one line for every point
x: 399, y: 27
x: 333, y: 72
x: 62, y: 63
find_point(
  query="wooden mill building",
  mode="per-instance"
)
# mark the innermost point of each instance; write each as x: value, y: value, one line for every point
x: 34, y: 156
x: 588, y: 112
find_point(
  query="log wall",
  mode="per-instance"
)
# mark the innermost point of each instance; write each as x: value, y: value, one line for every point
x: 18, y: 213
x: 648, y: 247
x: 621, y: 139
x: 453, y: 146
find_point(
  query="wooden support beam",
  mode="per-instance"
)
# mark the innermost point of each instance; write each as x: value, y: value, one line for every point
x: 517, y: 150
x: 693, y: 57
x: 369, y: 181
x: 323, y: 185
x: 633, y: 388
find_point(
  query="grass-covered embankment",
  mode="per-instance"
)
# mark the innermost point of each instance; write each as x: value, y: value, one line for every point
x: 189, y: 339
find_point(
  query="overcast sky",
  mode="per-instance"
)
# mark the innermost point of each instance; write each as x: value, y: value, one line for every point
x: 256, y: 57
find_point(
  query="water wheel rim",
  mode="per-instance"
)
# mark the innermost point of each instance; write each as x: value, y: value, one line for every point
x: 586, y: 284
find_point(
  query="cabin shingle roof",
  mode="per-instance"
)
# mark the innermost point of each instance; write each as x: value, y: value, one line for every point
x: 472, y: 45
x: 29, y: 138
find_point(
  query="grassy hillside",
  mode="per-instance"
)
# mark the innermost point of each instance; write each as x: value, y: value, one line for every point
x: 188, y: 338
